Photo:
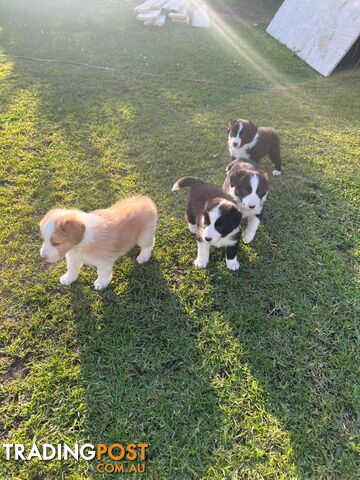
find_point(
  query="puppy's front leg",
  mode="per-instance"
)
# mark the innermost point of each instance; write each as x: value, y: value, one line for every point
x: 104, y: 272
x: 251, y: 227
x: 73, y: 269
x: 203, y: 255
x: 231, y: 260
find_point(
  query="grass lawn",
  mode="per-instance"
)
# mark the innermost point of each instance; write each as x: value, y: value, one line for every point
x: 227, y: 375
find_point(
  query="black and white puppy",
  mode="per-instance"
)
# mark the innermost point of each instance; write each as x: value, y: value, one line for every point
x: 248, y: 185
x: 248, y: 142
x: 214, y: 218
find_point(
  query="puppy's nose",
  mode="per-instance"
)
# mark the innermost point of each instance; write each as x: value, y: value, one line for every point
x: 252, y: 206
x: 235, y: 144
x: 208, y: 239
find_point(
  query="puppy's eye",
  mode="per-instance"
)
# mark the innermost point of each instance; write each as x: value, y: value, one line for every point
x: 219, y: 226
x: 55, y: 244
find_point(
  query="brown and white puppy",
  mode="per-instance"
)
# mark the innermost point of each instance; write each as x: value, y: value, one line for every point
x: 248, y: 185
x: 99, y: 237
x: 214, y: 219
x: 248, y: 142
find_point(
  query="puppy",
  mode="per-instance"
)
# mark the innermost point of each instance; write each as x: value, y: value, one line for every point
x: 248, y: 185
x: 99, y: 237
x: 248, y: 142
x: 214, y: 219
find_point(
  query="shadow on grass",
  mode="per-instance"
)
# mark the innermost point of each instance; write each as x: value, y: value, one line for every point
x: 176, y: 380
x: 293, y: 312
x: 145, y: 378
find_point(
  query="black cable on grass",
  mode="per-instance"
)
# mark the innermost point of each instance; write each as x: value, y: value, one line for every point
x: 124, y: 70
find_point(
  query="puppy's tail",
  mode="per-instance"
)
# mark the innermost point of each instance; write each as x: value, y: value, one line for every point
x: 187, y: 182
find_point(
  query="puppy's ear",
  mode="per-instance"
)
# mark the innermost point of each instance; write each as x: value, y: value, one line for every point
x: 253, y: 127
x: 235, y: 216
x: 205, y: 214
x: 231, y: 124
x: 233, y: 180
x: 229, y: 166
x: 236, y: 177
x: 72, y: 228
x: 265, y: 177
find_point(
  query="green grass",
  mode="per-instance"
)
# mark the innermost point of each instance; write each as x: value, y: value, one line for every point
x: 245, y: 375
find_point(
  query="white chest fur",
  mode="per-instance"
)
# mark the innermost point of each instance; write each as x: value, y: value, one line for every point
x: 227, y: 241
x: 250, y: 212
x: 240, y: 152
x: 243, y: 150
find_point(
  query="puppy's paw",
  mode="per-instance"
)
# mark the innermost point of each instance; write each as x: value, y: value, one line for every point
x: 232, y: 264
x: 99, y: 285
x: 143, y: 257
x: 276, y: 173
x: 200, y: 263
x: 248, y: 237
x: 66, y: 279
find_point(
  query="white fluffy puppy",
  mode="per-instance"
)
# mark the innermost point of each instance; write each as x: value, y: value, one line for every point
x: 99, y: 237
